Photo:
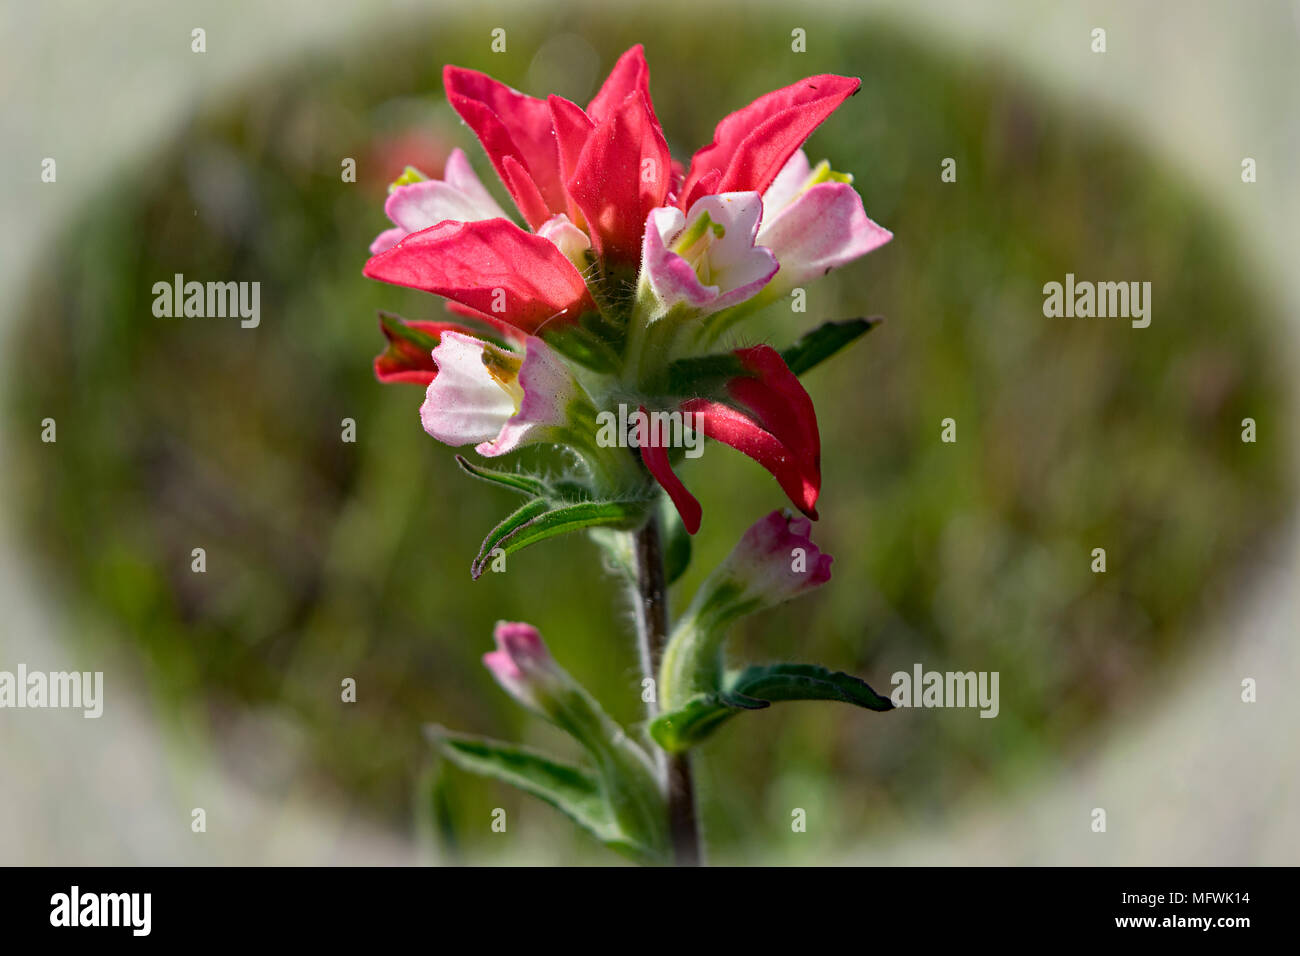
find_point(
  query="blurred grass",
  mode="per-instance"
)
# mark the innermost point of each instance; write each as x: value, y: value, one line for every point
x: 328, y: 560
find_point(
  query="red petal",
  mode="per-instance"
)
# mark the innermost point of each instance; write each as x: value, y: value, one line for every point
x: 511, y: 126
x: 404, y: 361
x: 494, y: 324
x: 781, y: 404
x: 656, y: 459
x: 630, y: 74
x: 733, y: 427
x: 752, y: 144
x: 486, y: 263
x: 572, y: 128
x: 623, y: 173
x: 526, y: 195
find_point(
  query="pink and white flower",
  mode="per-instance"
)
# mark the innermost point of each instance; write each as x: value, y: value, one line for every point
x: 459, y: 195
x: 706, y: 259
x: 568, y: 238
x: 495, y: 399
x: 813, y: 222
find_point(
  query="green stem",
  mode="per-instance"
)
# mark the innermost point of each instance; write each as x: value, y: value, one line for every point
x: 652, y: 635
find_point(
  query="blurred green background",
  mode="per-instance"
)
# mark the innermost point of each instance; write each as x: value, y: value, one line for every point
x: 328, y: 560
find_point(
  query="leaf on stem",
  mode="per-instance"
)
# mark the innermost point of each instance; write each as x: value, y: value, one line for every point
x: 538, y: 520
x: 824, y: 341
x: 512, y: 480
x: 754, y: 689
x: 573, y: 791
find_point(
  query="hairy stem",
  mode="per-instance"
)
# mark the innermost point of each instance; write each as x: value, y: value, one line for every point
x: 652, y: 635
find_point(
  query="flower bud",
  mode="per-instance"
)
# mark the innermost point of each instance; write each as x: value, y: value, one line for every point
x: 777, y: 560
x: 774, y: 562
x: 524, y: 667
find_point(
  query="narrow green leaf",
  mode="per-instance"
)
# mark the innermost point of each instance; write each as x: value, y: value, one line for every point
x: 824, y: 341
x: 676, y: 541
x: 805, y: 682
x: 400, y: 328
x: 525, y: 483
x: 754, y: 689
x: 707, y: 374
x: 525, y: 513
x: 438, y: 819
x: 573, y: 791
x: 534, y: 522
x: 396, y: 326
x: 682, y: 729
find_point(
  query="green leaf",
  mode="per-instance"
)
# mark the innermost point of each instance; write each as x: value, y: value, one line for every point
x: 537, y: 521
x: 707, y: 374
x: 776, y: 682
x: 591, y: 341
x: 682, y: 729
x: 754, y: 689
x: 676, y: 541
x: 700, y: 374
x: 438, y: 819
x: 573, y: 791
x: 824, y: 341
x: 509, y: 524
x: 517, y: 482
x: 396, y: 326
x: 425, y: 342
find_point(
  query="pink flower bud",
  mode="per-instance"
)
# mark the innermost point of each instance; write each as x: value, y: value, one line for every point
x: 777, y: 560
x: 522, y: 665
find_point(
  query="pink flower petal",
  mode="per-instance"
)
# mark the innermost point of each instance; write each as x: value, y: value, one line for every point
x: 820, y: 230
x: 776, y: 558
x: 788, y: 184
x: 464, y: 404
x: 548, y: 389
x: 461, y: 197
x: 738, y: 267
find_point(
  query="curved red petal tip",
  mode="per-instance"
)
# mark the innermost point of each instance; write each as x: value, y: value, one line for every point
x: 630, y: 72
x: 798, y: 479
x: 656, y: 459
x: 752, y: 144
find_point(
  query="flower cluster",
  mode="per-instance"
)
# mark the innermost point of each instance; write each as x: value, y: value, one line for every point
x: 631, y: 266
x: 614, y: 294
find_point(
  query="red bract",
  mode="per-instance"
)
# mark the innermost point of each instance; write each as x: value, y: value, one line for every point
x: 621, y: 174
x: 752, y: 144
x: 770, y: 418
x: 516, y: 132
x: 491, y: 266
x: 404, y: 361
x: 606, y: 167
x: 631, y: 74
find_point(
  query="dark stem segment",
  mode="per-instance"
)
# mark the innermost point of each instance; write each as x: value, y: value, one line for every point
x: 652, y: 635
